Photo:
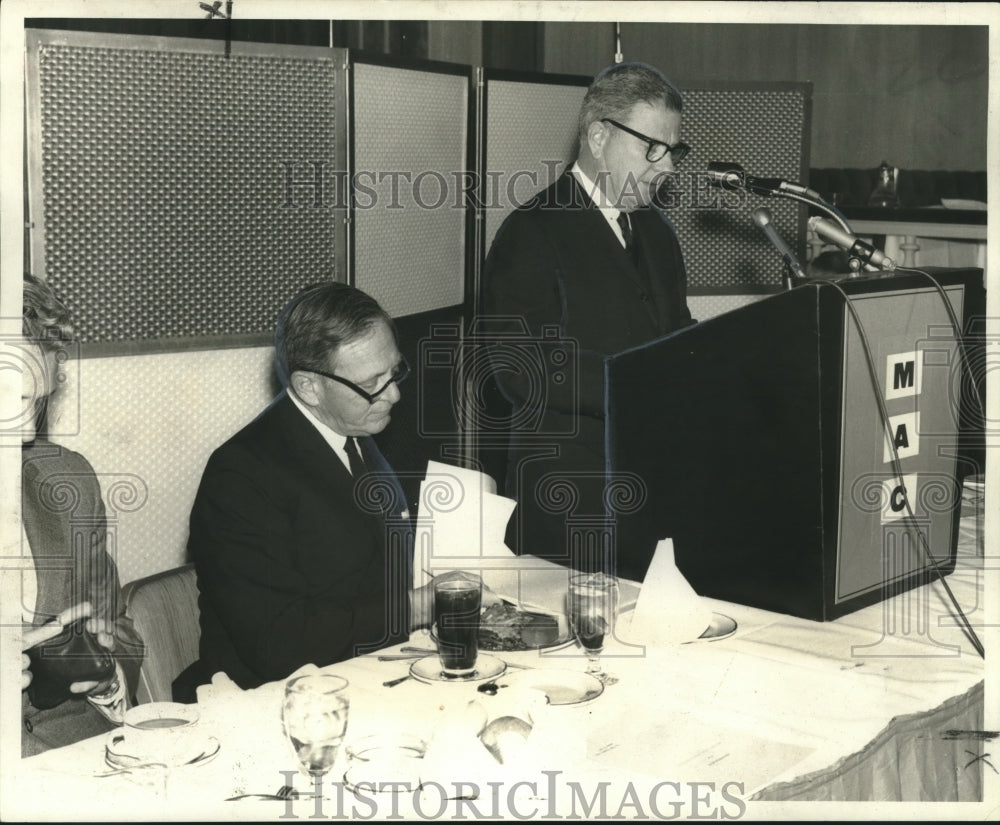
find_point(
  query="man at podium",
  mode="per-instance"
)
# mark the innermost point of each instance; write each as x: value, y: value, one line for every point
x: 584, y: 270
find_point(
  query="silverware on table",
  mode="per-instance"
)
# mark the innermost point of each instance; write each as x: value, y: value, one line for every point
x: 284, y: 792
x: 394, y: 682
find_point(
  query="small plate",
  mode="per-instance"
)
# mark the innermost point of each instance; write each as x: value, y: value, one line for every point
x: 197, y: 750
x: 429, y: 670
x: 561, y: 687
x: 721, y: 627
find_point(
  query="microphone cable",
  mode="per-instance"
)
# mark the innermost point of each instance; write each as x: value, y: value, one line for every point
x: 964, y: 360
x: 910, y: 518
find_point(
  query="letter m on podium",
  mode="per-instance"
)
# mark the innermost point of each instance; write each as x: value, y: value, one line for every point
x: 903, y: 372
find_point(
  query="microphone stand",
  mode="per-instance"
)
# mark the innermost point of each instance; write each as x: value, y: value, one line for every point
x: 855, y: 262
x: 788, y: 279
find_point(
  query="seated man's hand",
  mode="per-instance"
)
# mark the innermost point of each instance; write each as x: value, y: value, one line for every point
x: 422, y: 599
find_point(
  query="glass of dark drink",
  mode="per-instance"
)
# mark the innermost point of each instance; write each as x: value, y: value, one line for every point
x: 592, y: 604
x: 457, y: 604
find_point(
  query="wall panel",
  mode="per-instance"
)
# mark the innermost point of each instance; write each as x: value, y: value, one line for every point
x: 410, y: 155
x: 875, y: 87
x: 149, y: 423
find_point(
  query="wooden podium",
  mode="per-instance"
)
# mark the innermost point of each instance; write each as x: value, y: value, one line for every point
x: 762, y: 452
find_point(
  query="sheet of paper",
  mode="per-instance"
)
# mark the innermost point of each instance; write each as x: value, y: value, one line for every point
x: 461, y: 526
x: 461, y: 523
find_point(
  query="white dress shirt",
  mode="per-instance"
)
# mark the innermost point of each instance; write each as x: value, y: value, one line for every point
x: 600, y: 201
x: 336, y: 441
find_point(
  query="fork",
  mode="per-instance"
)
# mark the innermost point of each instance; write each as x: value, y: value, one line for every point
x: 284, y: 792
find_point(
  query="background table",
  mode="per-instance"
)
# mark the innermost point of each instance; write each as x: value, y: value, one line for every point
x: 898, y: 233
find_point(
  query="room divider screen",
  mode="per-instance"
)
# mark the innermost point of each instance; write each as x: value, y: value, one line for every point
x: 412, y: 141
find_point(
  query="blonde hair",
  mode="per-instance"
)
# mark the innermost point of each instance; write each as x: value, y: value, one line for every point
x: 45, y: 319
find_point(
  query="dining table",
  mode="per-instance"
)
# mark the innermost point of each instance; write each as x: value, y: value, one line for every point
x: 883, y: 704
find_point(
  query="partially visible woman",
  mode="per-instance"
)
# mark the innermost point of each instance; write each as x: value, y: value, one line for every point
x: 64, y: 526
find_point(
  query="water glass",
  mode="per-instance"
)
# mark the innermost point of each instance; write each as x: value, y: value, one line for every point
x: 593, y: 603
x: 314, y: 716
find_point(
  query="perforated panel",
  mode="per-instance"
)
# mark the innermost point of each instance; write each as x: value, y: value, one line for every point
x: 762, y: 129
x: 522, y: 161
x: 161, y: 196
x: 409, y: 228
x: 148, y: 425
x: 704, y: 307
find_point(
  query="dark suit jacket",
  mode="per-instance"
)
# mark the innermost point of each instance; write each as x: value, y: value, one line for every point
x: 64, y: 520
x: 557, y: 263
x: 291, y: 570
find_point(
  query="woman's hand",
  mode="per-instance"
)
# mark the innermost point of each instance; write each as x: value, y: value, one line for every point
x: 33, y: 636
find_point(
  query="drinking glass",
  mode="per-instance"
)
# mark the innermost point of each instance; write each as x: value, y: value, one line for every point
x: 593, y: 602
x: 457, y: 603
x: 314, y: 715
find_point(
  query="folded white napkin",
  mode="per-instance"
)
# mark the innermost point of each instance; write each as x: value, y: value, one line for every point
x: 668, y: 611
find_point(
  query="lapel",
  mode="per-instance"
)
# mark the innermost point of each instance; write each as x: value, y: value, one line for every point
x: 308, y: 448
x: 320, y: 467
x: 398, y: 531
x: 593, y: 232
x: 652, y: 222
x: 376, y: 463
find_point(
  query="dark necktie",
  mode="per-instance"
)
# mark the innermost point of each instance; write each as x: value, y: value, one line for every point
x: 358, y: 467
x: 632, y: 246
x: 626, y: 228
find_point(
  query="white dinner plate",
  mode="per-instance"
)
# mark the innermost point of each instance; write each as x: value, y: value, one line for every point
x: 561, y: 687
x: 429, y: 670
x: 196, y: 749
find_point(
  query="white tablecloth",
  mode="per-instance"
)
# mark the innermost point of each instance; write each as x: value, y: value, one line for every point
x: 771, y: 712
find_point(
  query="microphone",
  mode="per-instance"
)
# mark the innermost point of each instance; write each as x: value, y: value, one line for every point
x: 855, y: 247
x: 731, y: 176
x: 762, y: 217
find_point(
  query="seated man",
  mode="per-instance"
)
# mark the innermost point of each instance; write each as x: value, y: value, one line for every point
x: 72, y: 576
x: 294, y: 566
